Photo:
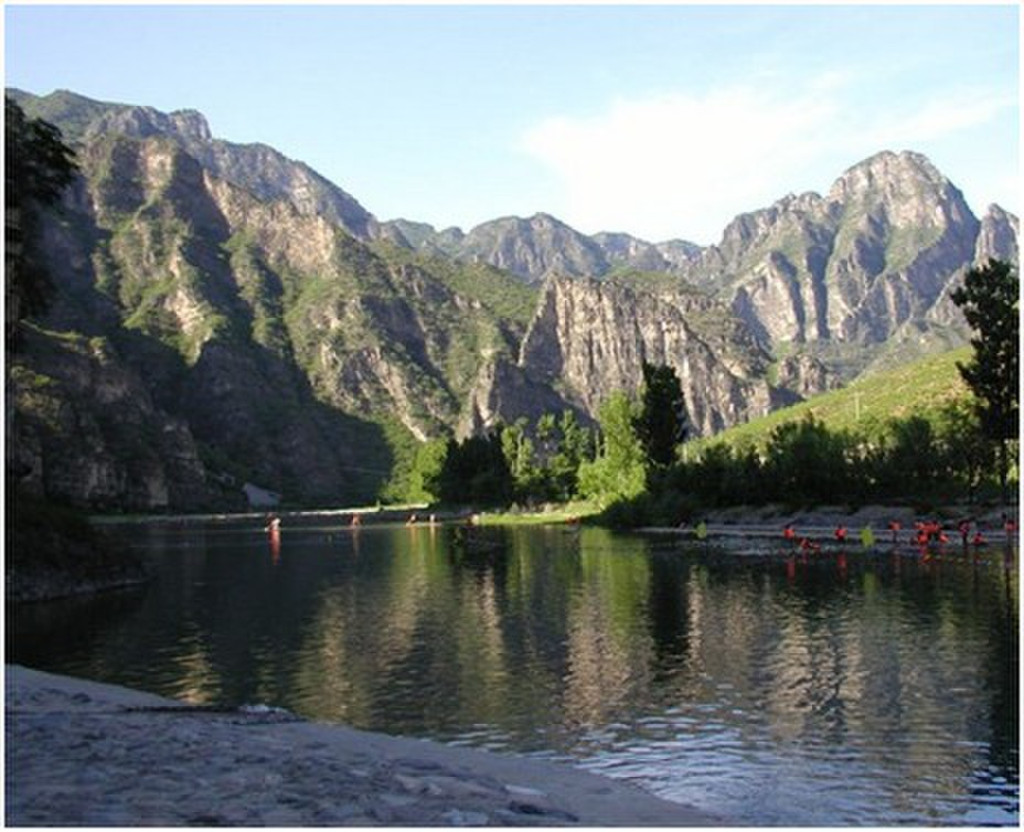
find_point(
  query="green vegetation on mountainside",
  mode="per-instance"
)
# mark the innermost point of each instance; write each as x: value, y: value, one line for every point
x: 642, y: 281
x: 70, y: 112
x: 505, y: 296
x: 920, y: 388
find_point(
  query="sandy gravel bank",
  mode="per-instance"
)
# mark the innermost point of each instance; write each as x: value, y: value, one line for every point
x: 83, y: 753
x: 821, y: 522
x: 876, y: 516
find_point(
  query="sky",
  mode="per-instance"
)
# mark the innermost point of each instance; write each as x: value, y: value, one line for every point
x: 662, y: 121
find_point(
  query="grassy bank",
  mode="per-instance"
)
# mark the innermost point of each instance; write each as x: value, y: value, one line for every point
x: 548, y: 515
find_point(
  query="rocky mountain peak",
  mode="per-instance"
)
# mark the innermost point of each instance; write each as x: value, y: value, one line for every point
x: 193, y: 124
x: 145, y: 122
x: 891, y: 177
x: 542, y: 220
x: 258, y: 168
x: 532, y: 248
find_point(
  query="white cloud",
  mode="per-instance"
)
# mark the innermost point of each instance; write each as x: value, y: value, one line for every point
x: 681, y: 165
x: 934, y: 119
x: 677, y: 165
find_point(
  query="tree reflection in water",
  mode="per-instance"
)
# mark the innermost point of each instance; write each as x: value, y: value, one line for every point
x: 886, y: 689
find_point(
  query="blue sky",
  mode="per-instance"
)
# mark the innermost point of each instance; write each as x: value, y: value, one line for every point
x: 661, y: 121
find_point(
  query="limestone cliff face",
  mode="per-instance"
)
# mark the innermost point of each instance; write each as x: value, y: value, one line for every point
x: 998, y: 237
x: 86, y: 431
x: 258, y: 168
x: 158, y: 265
x: 503, y: 392
x: 590, y: 338
x: 849, y: 271
x: 805, y: 376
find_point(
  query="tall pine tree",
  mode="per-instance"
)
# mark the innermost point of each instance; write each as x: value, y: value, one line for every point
x: 661, y: 424
x: 39, y: 166
x: 989, y: 301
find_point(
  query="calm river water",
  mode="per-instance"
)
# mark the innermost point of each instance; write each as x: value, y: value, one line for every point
x: 853, y: 688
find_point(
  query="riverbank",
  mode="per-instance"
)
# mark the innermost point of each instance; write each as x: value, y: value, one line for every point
x: 876, y: 517
x: 80, y: 753
x: 55, y: 552
x: 46, y: 564
x: 821, y: 522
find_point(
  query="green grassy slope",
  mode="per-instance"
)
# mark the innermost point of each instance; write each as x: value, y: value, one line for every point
x: 919, y: 387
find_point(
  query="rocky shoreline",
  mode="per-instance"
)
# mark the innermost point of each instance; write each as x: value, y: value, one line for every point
x: 80, y: 753
x: 773, y: 517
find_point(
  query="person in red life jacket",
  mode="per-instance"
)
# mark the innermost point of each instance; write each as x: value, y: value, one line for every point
x: 788, y: 533
x: 273, y: 531
x: 1010, y: 527
x: 928, y: 531
x: 894, y: 527
x: 807, y: 546
x: 840, y: 533
x: 979, y: 539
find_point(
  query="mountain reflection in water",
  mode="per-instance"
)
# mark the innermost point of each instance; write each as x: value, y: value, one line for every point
x: 773, y: 688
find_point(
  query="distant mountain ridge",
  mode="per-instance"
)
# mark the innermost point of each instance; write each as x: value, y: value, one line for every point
x: 542, y: 246
x: 268, y: 328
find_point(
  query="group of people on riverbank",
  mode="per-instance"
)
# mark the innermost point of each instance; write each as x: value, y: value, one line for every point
x: 841, y: 535
x: 925, y: 533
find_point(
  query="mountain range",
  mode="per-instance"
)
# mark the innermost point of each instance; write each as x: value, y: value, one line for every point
x: 226, y: 315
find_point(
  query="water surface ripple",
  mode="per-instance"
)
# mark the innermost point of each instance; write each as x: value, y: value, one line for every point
x: 844, y: 688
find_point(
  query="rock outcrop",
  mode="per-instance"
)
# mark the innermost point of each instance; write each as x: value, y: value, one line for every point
x: 590, y: 338
x: 86, y: 431
x: 851, y: 267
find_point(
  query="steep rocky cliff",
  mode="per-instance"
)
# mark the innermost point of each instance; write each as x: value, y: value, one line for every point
x: 590, y: 338
x: 87, y: 431
x: 289, y: 352
x: 846, y: 273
